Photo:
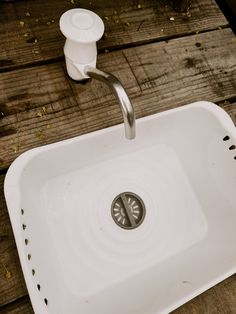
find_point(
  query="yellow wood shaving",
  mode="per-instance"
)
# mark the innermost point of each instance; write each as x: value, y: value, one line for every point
x: 16, y: 148
x: 8, y: 274
x: 188, y: 14
x: 40, y: 135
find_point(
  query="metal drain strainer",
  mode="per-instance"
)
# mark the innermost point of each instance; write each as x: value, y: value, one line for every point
x: 128, y: 210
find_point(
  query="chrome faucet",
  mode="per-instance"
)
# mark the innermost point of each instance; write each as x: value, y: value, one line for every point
x: 82, y: 29
x: 123, y: 99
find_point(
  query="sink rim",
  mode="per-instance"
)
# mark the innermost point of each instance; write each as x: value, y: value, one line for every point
x: 12, y: 181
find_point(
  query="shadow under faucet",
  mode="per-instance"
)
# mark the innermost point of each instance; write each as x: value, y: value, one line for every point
x: 120, y: 93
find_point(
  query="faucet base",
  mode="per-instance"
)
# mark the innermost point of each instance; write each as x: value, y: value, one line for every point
x: 76, y: 70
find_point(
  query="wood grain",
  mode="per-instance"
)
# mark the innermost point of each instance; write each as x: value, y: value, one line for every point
x: 44, y: 106
x: 30, y: 33
x: 21, y: 306
x: 12, y: 285
x: 230, y: 108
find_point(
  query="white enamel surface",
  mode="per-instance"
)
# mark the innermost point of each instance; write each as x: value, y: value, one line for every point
x: 186, y: 175
x: 81, y: 26
x: 82, y: 29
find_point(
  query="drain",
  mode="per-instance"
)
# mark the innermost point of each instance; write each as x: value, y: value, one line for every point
x: 128, y: 210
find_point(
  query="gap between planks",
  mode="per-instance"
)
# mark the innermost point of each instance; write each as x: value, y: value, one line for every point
x: 43, y: 106
x: 31, y: 36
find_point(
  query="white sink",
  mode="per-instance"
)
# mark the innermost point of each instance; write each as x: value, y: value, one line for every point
x: 77, y: 259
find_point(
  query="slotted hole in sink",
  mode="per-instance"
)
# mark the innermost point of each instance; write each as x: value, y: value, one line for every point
x: 29, y: 256
x: 226, y: 138
x: 232, y: 147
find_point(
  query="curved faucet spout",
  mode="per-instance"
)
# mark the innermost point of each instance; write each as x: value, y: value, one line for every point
x: 122, y: 97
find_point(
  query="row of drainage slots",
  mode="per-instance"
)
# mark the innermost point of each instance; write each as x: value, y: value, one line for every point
x: 226, y: 138
x: 29, y: 257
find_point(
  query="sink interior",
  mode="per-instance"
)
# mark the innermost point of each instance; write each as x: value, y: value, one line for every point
x: 75, y: 257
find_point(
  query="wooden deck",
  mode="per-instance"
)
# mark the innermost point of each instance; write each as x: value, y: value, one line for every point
x: 163, y: 58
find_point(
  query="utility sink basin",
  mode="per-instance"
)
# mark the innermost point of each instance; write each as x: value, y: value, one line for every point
x: 107, y: 225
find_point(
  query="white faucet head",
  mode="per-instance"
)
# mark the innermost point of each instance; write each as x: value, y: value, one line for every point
x: 82, y: 29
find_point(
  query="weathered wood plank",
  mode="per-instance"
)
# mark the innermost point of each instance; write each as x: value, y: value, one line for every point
x: 30, y: 33
x: 42, y: 105
x: 12, y: 285
x: 21, y: 306
x: 231, y: 109
x: 182, y: 5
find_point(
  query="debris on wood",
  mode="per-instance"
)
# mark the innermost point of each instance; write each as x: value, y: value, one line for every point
x: 141, y: 23
x: 27, y: 14
x: 172, y: 18
x: 22, y: 23
x: 41, y: 135
x: 15, y: 148
x: 42, y: 112
x: 39, y: 114
x: 8, y: 274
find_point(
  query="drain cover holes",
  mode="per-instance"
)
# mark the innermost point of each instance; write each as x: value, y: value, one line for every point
x: 128, y: 210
